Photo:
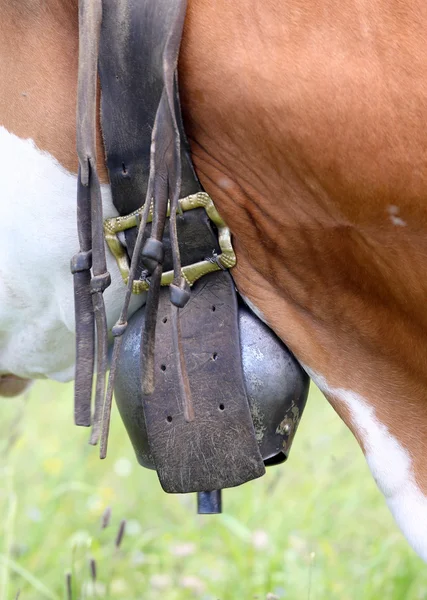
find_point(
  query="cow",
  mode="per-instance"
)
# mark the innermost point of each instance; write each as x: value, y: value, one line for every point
x: 306, y: 121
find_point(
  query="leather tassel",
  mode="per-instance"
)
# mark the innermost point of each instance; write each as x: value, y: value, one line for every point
x: 85, y: 346
x: 106, y: 413
x: 121, y: 325
x: 84, y: 315
x: 183, y: 379
x: 100, y: 281
x: 102, y: 364
x: 148, y: 334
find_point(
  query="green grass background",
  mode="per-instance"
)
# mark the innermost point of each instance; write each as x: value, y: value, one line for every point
x: 315, y: 528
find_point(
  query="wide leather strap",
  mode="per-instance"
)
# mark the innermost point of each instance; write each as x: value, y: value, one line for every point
x: 217, y: 448
x: 133, y: 36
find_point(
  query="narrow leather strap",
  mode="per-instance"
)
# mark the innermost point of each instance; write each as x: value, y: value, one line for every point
x: 218, y: 449
x: 83, y: 309
x: 90, y: 223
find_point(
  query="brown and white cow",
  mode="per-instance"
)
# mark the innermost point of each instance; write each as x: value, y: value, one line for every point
x: 308, y: 126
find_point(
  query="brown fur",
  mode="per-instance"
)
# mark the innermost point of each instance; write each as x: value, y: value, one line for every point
x: 40, y: 72
x: 307, y: 122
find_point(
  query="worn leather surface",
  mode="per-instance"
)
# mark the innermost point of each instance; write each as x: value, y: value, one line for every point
x: 218, y: 447
x: 133, y: 38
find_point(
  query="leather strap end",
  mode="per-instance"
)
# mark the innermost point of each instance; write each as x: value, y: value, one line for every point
x: 102, y: 362
x: 85, y: 347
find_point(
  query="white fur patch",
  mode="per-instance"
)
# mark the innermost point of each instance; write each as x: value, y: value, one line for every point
x: 390, y: 464
x: 393, y: 212
x: 38, y: 238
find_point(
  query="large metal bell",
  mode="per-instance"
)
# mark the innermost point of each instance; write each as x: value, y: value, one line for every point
x: 276, y: 386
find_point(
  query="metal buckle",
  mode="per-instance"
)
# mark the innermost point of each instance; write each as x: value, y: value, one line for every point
x: 191, y: 273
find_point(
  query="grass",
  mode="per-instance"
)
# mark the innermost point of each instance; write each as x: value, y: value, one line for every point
x: 315, y: 528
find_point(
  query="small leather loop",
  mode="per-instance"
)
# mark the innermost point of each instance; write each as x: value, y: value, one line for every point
x: 119, y: 329
x: 152, y: 254
x: 99, y: 283
x: 82, y: 261
x: 179, y: 296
